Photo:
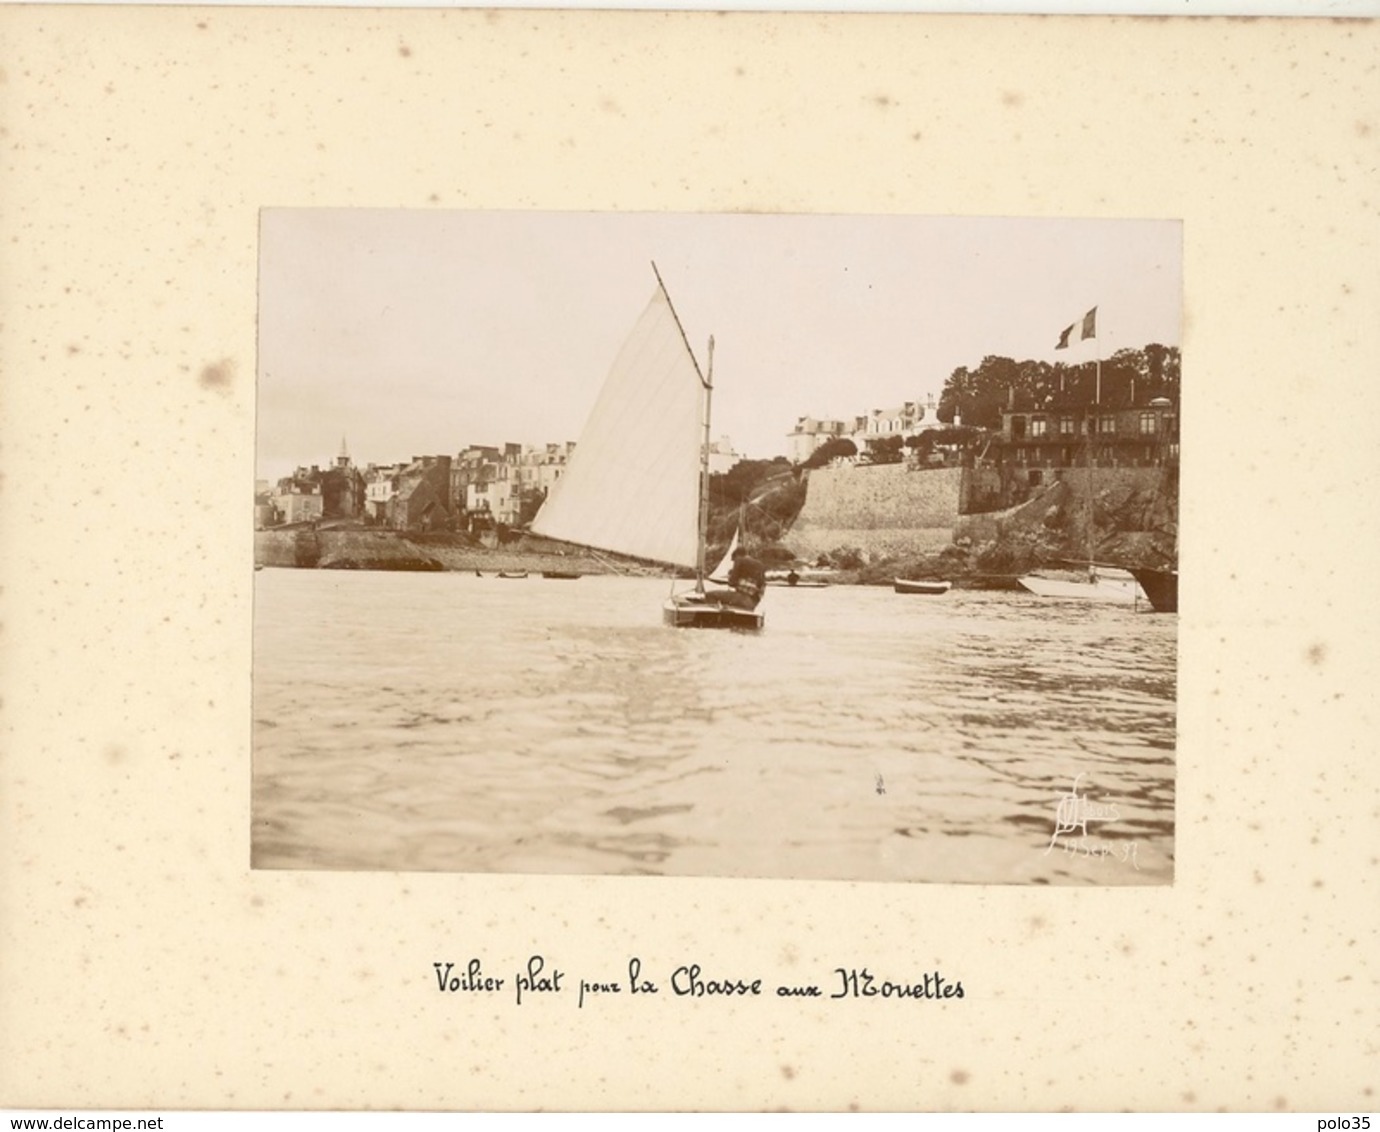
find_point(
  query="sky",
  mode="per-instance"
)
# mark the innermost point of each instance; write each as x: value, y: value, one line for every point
x: 412, y: 332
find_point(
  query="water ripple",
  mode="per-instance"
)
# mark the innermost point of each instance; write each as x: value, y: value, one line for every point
x: 439, y: 722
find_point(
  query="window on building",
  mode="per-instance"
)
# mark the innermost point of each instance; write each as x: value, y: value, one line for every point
x: 1065, y: 426
x: 1106, y: 425
x: 1147, y: 424
x: 1038, y: 426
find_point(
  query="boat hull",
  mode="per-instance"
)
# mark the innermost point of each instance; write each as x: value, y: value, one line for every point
x: 914, y: 586
x: 1161, y: 588
x: 687, y: 613
x: 1118, y: 591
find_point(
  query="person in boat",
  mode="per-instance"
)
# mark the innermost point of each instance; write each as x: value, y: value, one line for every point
x: 792, y: 579
x: 747, y: 580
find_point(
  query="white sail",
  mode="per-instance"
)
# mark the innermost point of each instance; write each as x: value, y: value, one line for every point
x: 720, y: 572
x: 632, y: 485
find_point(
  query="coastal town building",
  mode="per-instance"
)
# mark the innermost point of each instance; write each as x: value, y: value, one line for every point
x: 1062, y: 436
x: 808, y: 435
x: 422, y: 500
x: 483, y: 480
x: 722, y: 457
x: 297, y: 500
x: 381, y: 486
x: 467, y: 468
x: 1041, y: 444
x: 411, y: 496
x: 491, y: 493
x: 540, y: 466
x: 908, y: 419
x: 265, y: 515
x: 342, y: 490
x: 312, y: 494
x: 483, y: 485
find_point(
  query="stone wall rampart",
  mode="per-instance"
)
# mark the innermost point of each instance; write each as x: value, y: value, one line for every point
x: 885, y: 509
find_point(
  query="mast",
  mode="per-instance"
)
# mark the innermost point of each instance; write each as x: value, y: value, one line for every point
x: 1091, y: 517
x: 1098, y: 339
x: 707, y: 383
x: 704, y: 469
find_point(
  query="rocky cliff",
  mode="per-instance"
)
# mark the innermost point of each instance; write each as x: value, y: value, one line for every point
x: 904, y: 522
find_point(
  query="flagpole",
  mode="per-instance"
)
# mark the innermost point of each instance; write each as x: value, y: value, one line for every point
x: 1098, y: 338
x: 1091, y: 516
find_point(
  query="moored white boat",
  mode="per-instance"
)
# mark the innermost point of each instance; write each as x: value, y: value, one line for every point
x: 1109, y: 585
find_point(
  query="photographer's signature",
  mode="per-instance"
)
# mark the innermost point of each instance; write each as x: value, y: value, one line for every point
x: 1072, y: 816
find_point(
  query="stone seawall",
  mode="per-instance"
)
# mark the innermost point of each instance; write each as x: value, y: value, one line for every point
x: 886, y: 510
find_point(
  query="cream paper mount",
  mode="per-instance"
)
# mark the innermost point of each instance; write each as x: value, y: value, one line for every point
x: 146, y: 964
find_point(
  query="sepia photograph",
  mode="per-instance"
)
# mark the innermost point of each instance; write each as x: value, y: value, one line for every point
x: 718, y: 545
x: 514, y: 519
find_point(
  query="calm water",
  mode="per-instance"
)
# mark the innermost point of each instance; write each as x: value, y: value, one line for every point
x: 445, y: 721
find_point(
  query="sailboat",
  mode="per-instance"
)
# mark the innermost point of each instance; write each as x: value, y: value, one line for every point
x: 637, y: 482
x: 1109, y: 584
x: 1099, y: 583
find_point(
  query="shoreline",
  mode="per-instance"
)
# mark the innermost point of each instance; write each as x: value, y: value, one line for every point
x: 965, y: 566
x: 353, y: 548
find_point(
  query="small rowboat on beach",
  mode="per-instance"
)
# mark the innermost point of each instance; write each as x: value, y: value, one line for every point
x: 917, y: 586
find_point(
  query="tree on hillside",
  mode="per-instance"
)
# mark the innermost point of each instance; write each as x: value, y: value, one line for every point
x: 884, y: 449
x: 759, y: 497
x: 979, y: 396
x: 840, y: 446
x: 741, y: 480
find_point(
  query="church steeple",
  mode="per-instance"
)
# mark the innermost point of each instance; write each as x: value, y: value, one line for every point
x: 343, y: 460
